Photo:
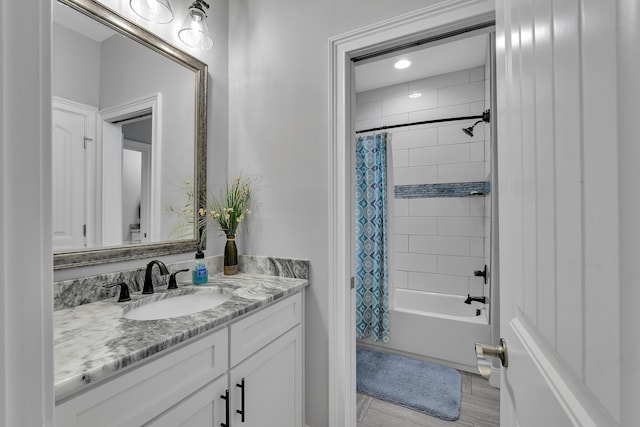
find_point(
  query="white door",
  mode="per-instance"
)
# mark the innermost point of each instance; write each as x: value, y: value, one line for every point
x: 112, y: 143
x: 140, y: 177
x: 559, y: 232
x: 68, y: 180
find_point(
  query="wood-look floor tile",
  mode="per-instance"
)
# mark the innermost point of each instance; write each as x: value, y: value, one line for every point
x: 362, y: 405
x: 466, y: 382
x: 385, y: 414
x: 479, y: 383
x: 481, y: 408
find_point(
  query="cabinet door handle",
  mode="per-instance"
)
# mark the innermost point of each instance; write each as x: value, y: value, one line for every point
x: 225, y: 396
x: 241, y: 411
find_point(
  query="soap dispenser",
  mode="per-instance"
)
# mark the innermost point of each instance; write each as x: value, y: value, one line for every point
x: 199, y: 275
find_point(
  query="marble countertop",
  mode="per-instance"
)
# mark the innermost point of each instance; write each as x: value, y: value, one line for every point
x: 92, y: 342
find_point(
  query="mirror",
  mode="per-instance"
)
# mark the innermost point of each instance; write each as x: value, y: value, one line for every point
x: 129, y: 139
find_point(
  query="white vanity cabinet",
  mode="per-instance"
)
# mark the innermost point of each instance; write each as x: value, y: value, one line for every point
x: 185, y: 387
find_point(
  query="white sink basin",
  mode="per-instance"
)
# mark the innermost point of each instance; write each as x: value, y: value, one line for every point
x: 177, y: 306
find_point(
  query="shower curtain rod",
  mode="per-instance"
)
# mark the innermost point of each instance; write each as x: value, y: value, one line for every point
x: 450, y: 119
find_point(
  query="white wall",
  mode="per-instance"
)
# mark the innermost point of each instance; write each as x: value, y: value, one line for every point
x: 26, y: 305
x: 438, y: 241
x: 76, y: 66
x: 278, y: 130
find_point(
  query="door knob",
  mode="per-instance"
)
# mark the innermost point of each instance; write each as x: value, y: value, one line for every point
x: 483, y: 350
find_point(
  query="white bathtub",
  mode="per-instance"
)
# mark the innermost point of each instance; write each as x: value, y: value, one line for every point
x: 444, y: 306
x: 436, y: 327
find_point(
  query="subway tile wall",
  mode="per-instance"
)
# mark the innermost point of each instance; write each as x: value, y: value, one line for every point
x: 437, y: 242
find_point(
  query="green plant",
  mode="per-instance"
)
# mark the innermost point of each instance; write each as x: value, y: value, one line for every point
x: 184, y: 228
x: 231, y: 208
x: 228, y: 210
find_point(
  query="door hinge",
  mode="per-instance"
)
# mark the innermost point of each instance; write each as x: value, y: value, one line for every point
x: 84, y: 230
x: 353, y: 282
x: 87, y: 139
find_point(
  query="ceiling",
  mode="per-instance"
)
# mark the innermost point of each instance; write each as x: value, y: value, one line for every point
x: 430, y: 61
x: 76, y: 21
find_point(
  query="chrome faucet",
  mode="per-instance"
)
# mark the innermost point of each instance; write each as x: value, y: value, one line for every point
x: 148, y: 278
x: 483, y: 300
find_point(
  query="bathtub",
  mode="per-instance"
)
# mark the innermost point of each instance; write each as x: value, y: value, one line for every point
x: 436, y: 327
x: 443, y: 306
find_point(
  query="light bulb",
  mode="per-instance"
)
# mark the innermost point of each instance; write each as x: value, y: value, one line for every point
x: 402, y: 64
x: 194, y: 31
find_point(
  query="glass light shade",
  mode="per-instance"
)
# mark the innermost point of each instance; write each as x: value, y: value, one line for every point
x: 194, y: 31
x: 158, y: 11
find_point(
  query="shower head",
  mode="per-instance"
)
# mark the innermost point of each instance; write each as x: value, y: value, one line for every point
x: 468, y: 131
x: 486, y: 116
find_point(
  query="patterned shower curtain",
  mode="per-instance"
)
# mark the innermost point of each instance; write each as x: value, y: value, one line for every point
x: 372, y: 276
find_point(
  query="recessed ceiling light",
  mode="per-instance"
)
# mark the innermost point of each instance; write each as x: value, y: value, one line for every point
x: 402, y: 64
x: 415, y: 95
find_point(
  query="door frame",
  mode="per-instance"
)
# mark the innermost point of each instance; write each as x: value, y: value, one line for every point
x: 444, y: 17
x: 152, y: 103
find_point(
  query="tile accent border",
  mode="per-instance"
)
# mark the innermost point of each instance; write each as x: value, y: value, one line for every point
x: 452, y: 189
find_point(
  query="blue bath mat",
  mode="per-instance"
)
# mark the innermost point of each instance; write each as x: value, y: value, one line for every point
x: 424, y: 387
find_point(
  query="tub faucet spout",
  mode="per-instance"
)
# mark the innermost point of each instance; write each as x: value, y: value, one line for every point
x: 482, y: 299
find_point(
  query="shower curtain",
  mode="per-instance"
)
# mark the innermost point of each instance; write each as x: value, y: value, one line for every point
x: 372, y: 301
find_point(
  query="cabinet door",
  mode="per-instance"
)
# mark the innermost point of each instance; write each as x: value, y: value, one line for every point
x: 272, y: 378
x: 205, y: 407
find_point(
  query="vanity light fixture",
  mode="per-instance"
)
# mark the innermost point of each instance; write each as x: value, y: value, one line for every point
x: 194, y: 31
x: 415, y: 95
x: 402, y: 64
x: 158, y: 11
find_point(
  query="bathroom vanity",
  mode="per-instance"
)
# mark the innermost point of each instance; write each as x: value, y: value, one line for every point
x: 240, y: 363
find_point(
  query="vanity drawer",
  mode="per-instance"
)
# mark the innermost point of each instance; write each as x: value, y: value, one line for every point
x: 251, y: 334
x: 142, y: 393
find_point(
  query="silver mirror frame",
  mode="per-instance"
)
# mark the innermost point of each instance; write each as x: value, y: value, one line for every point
x: 108, y: 17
